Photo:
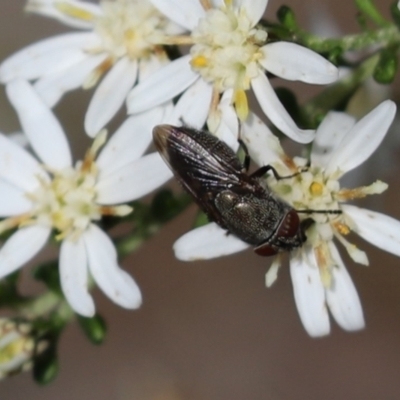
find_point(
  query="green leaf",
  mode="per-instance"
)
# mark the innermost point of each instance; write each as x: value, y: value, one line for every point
x: 367, y: 7
x: 287, y: 18
x: 386, y: 69
x: 200, y: 220
x: 45, y: 366
x: 166, y: 206
x: 8, y: 290
x: 95, y: 328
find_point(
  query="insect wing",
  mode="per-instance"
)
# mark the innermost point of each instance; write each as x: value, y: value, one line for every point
x: 193, y: 158
x: 202, y: 170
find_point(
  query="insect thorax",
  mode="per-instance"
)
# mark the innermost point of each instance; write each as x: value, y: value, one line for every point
x: 252, y: 218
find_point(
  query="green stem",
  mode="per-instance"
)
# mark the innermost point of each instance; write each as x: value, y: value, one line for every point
x: 131, y: 243
x: 150, y: 219
x: 383, y: 36
x: 289, y: 30
x: 369, y: 9
x: 43, y: 305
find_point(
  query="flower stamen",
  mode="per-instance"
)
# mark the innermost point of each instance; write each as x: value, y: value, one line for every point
x: 241, y: 104
x: 74, y: 11
x: 97, y: 73
x: 377, y: 187
x: 206, y: 4
x: 199, y: 61
x: 342, y: 228
x: 91, y: 154
x: 116, y: 211
x: 354, y: 252
x: 325, y: 263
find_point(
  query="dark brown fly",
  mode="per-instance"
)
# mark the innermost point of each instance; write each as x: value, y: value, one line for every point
x: 211, y: 172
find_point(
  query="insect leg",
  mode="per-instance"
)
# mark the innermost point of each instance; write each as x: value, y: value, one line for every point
x: 319, y: 211
x: 246, y: 162
x: 266, y: 168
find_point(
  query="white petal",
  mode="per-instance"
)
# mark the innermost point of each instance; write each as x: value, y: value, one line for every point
x: 148, y: 66
x: 54, y: 61
x: 185, y: 13
x: 365, y: 137
x: 206, y: 242
x: 254, y: 9
x: 379, y: 229
x: 134, y: 180
x: 13, y: 200
x: 309, y: 294
x: 330, y: 133
x: 19, y: 138
x: 18, y: 167
x: 129, y: 142
x: 228, y: 128
x: 272, y: 275
x: 342, y: 297
x: 35, y: 60
x: 275, y: 111
x: 220, y: 4
x: 264, y: 147
x: 171, y: 28
x: 48, y: 9
x: 297, y: 63
x: 192, y: 107
x: 74, y: 277
x: 117, y: 284
x: 110, y: 95
x: 52, y: 86
x: 44, y: 132
x: 354, y: 252
x: 21, y: 246
x: 163, y: 85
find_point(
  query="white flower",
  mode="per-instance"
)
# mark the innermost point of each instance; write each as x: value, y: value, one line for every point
x: 228, y: 56
x: 39, y: 197
x: 17, y: 347
x: 320, y: 279
x: 118, y: 39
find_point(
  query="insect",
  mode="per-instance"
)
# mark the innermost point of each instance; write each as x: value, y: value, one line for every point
x: 212, y: 173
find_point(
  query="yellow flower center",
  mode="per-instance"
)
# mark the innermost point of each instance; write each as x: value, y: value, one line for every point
x: 312, y: 189
x: 316, y: 189
x: 16, y: 346
x: 226, y: 51
x: 68, y: 201
x: 130, y: 28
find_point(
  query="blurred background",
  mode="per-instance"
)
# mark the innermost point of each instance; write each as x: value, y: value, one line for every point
x: 211, y: 330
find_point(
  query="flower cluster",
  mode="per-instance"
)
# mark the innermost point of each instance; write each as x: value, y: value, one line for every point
x: 318, y: 274
x: 51, y: 194
x: 121, y: 48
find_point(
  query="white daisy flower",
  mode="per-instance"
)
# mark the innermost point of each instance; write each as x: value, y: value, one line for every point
x: 118, y: 40
x: 229, y: 55
x: 320, y: 279
x: 52, y: 194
